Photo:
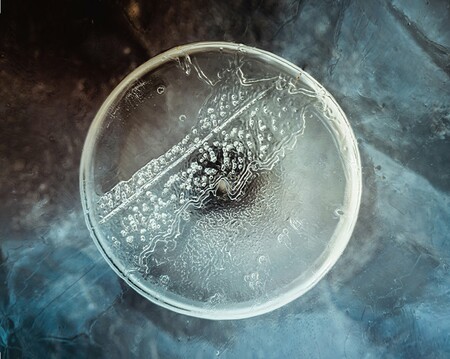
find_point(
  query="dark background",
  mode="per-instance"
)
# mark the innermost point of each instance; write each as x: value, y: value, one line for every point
x: 388, y: 65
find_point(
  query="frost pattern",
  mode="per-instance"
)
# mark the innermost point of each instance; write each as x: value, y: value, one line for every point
x: 244, y: 128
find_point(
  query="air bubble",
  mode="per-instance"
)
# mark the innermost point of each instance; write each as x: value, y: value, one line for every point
x: 182, y: 118
x: 262, y: 259
x: 164, y: 279
x: 339, y: 212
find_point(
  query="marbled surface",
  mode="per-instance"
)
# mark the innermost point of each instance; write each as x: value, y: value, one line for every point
x: 388, y: 65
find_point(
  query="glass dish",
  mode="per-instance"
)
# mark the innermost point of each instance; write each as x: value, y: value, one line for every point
x: 220, y: 181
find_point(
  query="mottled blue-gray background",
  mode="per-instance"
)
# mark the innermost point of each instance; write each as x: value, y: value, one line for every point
x: 388, y: 65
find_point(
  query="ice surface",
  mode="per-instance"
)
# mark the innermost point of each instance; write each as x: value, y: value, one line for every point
x: 247, y: 205
x: 386, y: 62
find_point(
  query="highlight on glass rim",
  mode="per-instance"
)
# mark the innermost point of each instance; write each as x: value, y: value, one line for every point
x: 220, y: 181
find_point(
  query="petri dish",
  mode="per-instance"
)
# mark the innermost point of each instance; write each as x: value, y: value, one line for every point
x: 220, y: 181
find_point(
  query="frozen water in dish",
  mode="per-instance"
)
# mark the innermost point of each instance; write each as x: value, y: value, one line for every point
x: 242, y: 204
x: 214, y: 175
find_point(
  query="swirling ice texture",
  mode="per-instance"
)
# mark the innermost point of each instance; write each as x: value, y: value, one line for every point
x: 244, y: 128
x: 388, y: 294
